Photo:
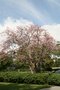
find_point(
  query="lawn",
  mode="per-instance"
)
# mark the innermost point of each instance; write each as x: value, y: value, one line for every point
x: 12, y: 86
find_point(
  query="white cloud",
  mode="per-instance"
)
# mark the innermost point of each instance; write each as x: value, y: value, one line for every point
x: 12, y: 23
x: 54, y: 30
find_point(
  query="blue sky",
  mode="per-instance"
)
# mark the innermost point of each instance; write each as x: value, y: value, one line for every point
x: 40, y: 12
x: 45, y: 13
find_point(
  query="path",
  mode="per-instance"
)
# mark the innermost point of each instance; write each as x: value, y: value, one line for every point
x: 52, y: 88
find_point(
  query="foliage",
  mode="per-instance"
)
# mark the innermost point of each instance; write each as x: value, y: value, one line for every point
x: 54, y: 79
x: 20, y: 65
x: 28, y: 78
x: 5, y: 60
x: 21, y: 77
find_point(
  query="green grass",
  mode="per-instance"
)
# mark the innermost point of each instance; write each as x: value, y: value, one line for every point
x: 12, y: 86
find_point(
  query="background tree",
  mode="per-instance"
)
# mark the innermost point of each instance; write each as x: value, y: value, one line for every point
x: 5, y: 60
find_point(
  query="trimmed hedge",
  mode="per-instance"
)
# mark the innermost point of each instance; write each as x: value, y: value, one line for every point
x: 28, y: 78
x: 23, y: 77
x: 54, y: 79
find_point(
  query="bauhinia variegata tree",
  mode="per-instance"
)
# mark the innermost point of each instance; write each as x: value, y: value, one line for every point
x: 35, y: 46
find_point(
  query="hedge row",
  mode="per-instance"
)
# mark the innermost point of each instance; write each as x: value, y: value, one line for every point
x: 28, y: 78
x: 54, y: 79
x: 22, y: 77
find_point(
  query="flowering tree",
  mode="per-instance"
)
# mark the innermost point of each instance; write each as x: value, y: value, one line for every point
x: 39, y: 49
x: 34, y: 46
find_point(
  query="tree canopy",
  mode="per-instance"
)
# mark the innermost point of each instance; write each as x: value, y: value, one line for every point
x: 32, y: 45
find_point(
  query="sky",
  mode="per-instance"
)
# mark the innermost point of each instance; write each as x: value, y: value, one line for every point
x: 45, y: 13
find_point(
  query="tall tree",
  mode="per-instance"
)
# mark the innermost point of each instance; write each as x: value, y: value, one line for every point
x: 35, y: 46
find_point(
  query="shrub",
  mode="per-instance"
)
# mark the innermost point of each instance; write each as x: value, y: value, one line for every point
x: 54, y: 79
x: 21, y: 77
x: 28, y: 78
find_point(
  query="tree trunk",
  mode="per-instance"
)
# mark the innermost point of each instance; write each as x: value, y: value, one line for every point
x: 35, y: 68
x: 31, y: 69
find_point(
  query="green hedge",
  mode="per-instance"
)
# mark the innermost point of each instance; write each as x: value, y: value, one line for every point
x: 54, y: 79
x: 23, y: 77
x: 28, y: 78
